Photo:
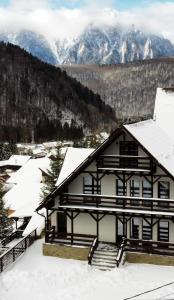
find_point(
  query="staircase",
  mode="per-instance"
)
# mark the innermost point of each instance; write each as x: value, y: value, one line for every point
x: 104, y: 257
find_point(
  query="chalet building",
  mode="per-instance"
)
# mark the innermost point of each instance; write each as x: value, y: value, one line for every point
x: 122, y: 191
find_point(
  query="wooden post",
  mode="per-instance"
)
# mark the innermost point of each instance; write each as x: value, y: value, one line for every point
x: 97, y: 221
x: 16, y: 221
x: 35, y: 234
x: 72, y: 228
x: 124, y: 226
x: 25, y: 243
x: 13, y: 254
x: 1, y: 264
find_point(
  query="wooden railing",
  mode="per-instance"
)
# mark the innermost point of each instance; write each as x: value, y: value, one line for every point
x: 92, y: 249
x: 69, y: 238
x: 13, y: 253
x: 153, y: 247
x: 121, y: 250
x: 14, y: 235
x: 123, y: 202
x: 126, y: 162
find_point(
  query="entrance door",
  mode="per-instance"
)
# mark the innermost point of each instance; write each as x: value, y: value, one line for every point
x: 62, y: 224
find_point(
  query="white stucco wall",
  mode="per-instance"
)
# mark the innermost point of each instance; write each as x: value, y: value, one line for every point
x: 107, y: 229
x: 85, y: 224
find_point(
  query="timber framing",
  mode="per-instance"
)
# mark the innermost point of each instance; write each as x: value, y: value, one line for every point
x: 116, y: 134
x: 108, y: 203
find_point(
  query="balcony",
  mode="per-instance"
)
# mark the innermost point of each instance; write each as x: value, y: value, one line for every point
x: 148, y: 246
x: 126, y: 163
x: 117, y: 203
x: 53, y: 237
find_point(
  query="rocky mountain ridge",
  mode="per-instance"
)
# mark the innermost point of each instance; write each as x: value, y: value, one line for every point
x: 95, y: 45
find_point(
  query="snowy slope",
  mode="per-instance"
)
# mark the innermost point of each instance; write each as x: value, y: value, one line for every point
x: 34, y: 276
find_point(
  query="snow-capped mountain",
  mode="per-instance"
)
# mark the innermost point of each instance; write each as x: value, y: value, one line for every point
x: 95, y: 45
x: 33, y: 43
x: 113, y: 45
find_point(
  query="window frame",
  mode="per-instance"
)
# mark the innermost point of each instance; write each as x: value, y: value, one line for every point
x: 163, y: 228
x: 160, y: 195
x: 91, y: 188
x: 123, y: 188
x: 146, y: 202
x: 133, y: 201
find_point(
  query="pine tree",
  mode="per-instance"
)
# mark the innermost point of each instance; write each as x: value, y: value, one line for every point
x: 5, y: 222
x: 6, y: 150
x: 56, y: 164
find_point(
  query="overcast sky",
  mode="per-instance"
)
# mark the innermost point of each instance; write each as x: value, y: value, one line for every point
x: 62, y: 18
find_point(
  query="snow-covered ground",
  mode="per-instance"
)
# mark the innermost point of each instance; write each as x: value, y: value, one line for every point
x: 34, y: 276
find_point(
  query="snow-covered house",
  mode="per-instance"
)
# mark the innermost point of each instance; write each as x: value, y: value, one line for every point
x: 14, y: 163
x: 25, y: 194
x: 125, y: 188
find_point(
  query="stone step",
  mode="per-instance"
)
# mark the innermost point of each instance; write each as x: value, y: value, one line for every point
x: 107, y: 253
x: 103, y: 261
x: 103, y: 264
x: 102, y: 256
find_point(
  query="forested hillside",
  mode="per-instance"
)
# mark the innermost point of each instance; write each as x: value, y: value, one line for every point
x: 40, y: 101
x: 129, y: 88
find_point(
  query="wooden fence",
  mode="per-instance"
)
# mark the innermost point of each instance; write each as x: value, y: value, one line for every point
x: 9, y: 256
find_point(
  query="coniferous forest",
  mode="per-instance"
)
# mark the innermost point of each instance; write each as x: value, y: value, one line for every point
x: 40, y: 102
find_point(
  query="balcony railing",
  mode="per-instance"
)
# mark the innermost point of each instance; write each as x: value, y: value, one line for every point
x: 122, y: 202
x: 149, y: 246
x: 125, y: 162
x: 54, y: 237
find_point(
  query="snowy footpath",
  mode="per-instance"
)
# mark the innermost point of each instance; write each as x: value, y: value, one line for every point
x: 34, y: 276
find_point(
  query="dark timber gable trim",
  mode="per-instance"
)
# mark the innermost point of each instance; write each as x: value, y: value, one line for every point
x: 91, y: 158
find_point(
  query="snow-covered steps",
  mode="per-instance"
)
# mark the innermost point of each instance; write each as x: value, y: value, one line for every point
x: 104, y: 257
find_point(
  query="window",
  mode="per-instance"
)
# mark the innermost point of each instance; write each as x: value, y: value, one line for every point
x: 146, y: 231
x: 135, y: 191
x: 147, y: 192
x: 128, y: 148
x: 90, y: 185
x: 163, y: 192
x: 163, y: 231
x: 121, y: 190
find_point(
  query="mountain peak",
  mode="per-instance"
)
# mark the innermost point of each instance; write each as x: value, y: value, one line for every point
x: 95, y: 45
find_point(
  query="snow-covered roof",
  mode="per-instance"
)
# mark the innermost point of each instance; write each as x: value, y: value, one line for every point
x: 3, y: 163
x: 25, y: 196
x: 73, y: 158
x: 164, y: 110
x: 36, y: 222
x: 18, y: 160
x: 51, y: 144
x: 155, y: 141
x: 39, y: 151
x: 15, y: 160
x: 31, y: 171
